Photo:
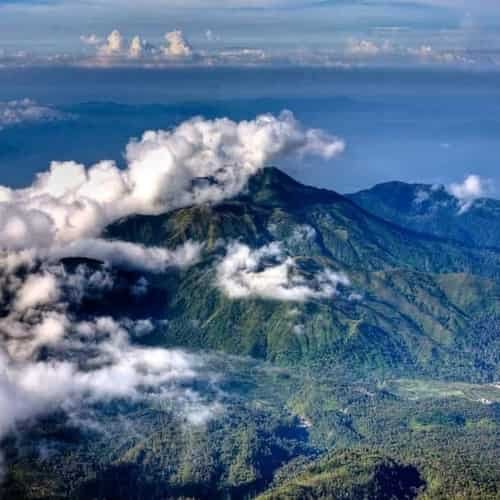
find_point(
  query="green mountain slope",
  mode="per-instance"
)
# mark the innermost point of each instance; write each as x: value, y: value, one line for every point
x: 384, y: 391
x: 352, y: 475
x: 431, y: 210
x: 414, y: 305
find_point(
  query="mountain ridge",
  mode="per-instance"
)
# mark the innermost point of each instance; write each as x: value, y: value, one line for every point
x: 408, y: 312
x: 431, y: 210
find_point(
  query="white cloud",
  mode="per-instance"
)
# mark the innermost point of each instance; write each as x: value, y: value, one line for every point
x: 177, y: 45
x: 136, y: 48
x: 174, y: 50
x: 114, y: 46
x: 63, y: 213
x: 118, y: 49
x: 421, y: 197
x: 386, y: 49
x: 91, y: 39
x: 88, y: 361
x: 27, y: 111
x: 24, y: 228
x: 429, y: 54
x: 38, y: 289
x: 201, y: 161
x: 467, y: 192
x: 240, y: 56
x: 114, y: 369
x: 368, y: 47
x: 268, y: 273
x: 131, y: 255
x: 140, y: 48
x: 49, y: 331
x: 302, y: 234
x: 424, y: 51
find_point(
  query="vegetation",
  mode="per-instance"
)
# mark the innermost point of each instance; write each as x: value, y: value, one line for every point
x: 428, y: 307
x: 386, y: 391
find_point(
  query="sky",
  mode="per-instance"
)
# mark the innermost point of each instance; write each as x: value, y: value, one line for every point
x: 321, y: 32
x: 411, y: 86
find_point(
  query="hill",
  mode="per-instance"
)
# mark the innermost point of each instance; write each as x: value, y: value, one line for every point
x: 432, y: 210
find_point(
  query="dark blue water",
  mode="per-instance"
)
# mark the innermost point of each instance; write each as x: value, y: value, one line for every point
x: 426, y: 126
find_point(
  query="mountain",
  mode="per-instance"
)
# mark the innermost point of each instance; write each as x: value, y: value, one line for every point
x: 416, y: 303
x: 432, y: 210
x: 386, y: 389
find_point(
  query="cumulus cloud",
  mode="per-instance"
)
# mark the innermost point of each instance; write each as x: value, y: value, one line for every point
x: 269, y: 274
x: 117, y: 48
x: 200, y: 161
x: 136, y: 48
x: 131, y: 255
x: 177, y: 45
x: 24, y: 228
x: 27, y: 111
x: 471, y: 189
x: 173, y: 49
x: 115, y: 45
x: 50, y: 358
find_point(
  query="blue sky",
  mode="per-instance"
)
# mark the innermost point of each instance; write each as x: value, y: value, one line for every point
x: 395, y: 29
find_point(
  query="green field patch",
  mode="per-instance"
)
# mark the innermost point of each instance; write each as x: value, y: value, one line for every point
x: 416, y: 389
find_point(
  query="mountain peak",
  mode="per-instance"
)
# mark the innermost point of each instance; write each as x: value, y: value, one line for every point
x: 400, y: 196
x: 273, y: 187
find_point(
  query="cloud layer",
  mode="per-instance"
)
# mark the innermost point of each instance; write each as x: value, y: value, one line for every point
x: 363, y: 49
x: 117, y: 48
x: 51, y: 358
x: 269, y: 273
x: 27, y: 111
x: 200, y: 161
x: 173, y: 50
x: 127, y: 255
x: 84, y: 361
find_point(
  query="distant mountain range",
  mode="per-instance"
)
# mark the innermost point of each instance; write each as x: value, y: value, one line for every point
x: 432, y: 210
